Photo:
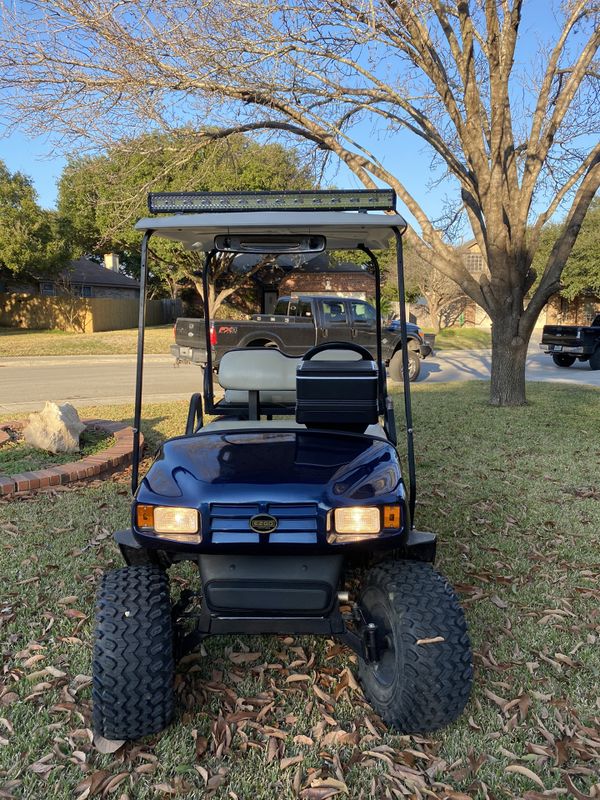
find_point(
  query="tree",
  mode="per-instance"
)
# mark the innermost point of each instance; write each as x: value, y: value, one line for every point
x: 30, y: 239
x: 512, y: 134
x: 102, y: 196
x: 582, y: 270
x: 445, y: 299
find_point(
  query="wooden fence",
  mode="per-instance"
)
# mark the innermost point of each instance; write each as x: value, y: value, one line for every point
x: 82, y: 315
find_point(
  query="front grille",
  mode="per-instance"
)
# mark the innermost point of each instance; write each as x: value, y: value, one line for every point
x: 230, y: 523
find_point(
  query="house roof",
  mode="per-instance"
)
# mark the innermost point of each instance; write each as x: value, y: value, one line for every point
x: 91, y: 273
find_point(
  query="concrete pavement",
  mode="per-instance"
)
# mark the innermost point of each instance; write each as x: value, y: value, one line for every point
x: 464, y: 365
x: 26, y: 383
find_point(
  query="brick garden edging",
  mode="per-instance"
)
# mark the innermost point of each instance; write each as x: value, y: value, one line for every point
x: 119, y: 455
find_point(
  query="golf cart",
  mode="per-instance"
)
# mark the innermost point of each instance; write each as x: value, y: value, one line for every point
x: 290, y: 500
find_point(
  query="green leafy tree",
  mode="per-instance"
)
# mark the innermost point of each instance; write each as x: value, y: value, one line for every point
x: 101, y: 197
x: 582, y: 270
x: 30, y: 238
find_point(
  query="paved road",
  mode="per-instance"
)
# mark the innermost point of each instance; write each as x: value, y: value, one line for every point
x: 25, y: 383
x: 91, y: 380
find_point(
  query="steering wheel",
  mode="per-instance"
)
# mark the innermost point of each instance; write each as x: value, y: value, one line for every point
x: 354, y: 348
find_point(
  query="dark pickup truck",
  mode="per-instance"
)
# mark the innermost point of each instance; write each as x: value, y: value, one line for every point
x: 568, y: 343
x: 299, y: 323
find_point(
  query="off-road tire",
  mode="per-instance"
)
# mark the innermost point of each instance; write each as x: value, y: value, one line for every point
x: 595, y: 359
x: 563, y: 359
x: 416, y: 688
x: 133, y: 663
x: 414, y: 366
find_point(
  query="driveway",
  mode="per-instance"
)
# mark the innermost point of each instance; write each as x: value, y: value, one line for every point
x: 464, y: 365
x: 25, y: 383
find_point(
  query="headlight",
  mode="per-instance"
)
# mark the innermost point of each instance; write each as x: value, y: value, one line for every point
x: 357, y: 519
x: 175, y: 520
x: 170, y: 522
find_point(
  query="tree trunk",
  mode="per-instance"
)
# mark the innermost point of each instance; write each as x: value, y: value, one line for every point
x: 509, y: 353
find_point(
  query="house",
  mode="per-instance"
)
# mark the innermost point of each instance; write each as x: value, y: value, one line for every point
x: 579, y: 311
x: 318, y: 276
x: 85, y: 297
x: 83, y: 278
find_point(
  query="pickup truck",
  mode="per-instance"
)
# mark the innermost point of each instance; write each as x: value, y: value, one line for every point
x: 297, y: 324
x: 568, y: 343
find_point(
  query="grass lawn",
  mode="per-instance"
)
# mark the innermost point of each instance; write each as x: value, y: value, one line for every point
x: 18, y: 456
x: 460, y: 339
x: 515, y: 499
x: 16, y: 342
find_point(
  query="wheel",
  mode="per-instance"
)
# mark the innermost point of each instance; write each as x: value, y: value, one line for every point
x: 563, y: 359
x: 416, y: 687
x: 133, y: 664
x: 595, y: 359
x: 414, y: 366
x: 262, y: 343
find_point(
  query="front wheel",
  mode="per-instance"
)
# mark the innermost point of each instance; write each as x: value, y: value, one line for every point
x: 563, y: 359
x: 422, y: 680
x: 414, y: 366
x: 133, y: 664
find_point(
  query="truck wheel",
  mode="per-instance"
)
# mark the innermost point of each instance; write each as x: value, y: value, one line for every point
x: 595, y: 359
x: 262, y: 343
x: 563, y: 359
x: 414, y: 366
x: 423, y: 678
x: 133, y: 664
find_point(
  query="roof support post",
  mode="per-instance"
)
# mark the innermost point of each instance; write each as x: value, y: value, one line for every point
x: 139, y: 369
x: 208, y: 379
x: 410, y: 450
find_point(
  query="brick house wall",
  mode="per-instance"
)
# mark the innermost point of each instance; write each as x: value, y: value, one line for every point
x: 579, y: 311
x: 350, y: 284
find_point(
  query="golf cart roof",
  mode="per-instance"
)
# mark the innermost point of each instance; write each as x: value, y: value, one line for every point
x: 343, y: 230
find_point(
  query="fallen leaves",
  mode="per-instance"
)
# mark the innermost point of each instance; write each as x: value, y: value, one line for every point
x: 519, y: 769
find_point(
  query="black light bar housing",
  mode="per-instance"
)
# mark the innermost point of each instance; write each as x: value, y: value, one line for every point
x: 327, y: 200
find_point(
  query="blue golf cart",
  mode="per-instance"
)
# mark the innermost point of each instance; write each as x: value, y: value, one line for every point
x: 285, y: 491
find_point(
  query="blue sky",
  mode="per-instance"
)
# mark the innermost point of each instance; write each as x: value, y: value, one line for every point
x: 403, y: 155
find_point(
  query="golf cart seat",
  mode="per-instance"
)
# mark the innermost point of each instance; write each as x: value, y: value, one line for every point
x: 255, y: 376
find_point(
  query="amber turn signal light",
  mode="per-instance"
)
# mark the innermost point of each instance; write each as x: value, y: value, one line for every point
x: 391, y: 517
x: 145, y: 516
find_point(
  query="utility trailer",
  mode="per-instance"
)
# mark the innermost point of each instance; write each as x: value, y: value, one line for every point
x: 286, y: 494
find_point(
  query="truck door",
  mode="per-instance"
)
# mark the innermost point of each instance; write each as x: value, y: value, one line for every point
x: 363, y: 325
x: 301, y: 335
x: 335, y: 322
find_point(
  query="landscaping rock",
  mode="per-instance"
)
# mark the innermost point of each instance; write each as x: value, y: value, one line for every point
x: 55, y: 428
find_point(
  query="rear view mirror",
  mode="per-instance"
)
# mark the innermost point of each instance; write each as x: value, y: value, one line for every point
x: 257, y: 243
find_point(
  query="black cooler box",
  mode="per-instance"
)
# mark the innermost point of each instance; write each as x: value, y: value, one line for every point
x: 337, y: 393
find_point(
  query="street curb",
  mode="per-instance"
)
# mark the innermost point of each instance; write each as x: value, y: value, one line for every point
x: 119, y: 455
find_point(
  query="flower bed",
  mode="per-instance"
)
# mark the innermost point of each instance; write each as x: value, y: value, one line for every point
x: 118, y: 454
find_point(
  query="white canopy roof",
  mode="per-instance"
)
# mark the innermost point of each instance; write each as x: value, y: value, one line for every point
x: 342, y: 229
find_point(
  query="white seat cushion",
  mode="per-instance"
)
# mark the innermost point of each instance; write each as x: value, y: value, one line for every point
x: 258, y: 369
x: 238, y: 396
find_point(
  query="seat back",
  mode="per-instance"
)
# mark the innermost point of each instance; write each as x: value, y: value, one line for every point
x: 255, y: 375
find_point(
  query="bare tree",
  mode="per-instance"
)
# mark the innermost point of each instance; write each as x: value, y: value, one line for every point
x: 515, y: 138
x: 445, y: 299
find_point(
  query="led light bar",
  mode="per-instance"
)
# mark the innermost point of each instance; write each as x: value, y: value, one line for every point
x: 212, y: 202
